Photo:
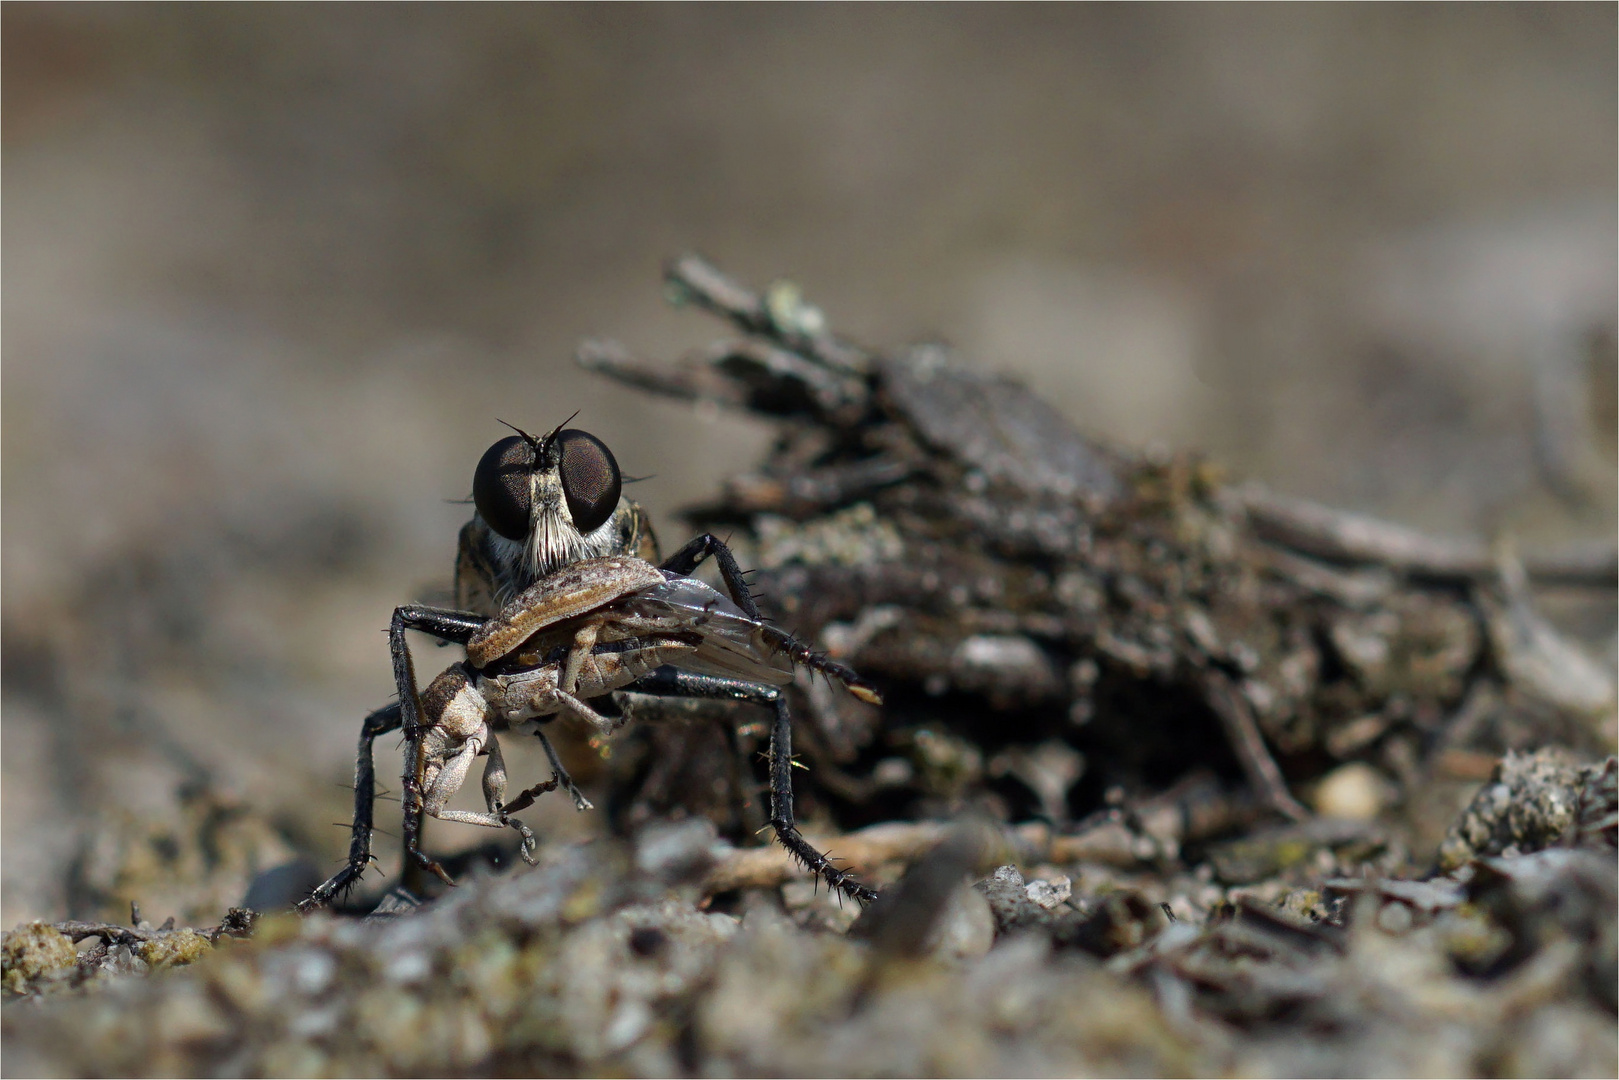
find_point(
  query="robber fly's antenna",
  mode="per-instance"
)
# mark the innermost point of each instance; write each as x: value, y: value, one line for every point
x: 546, y: 441
x: 531, y: 440
x: 541, y: 443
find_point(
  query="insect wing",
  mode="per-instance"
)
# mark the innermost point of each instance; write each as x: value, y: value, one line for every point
x: 731, y: 644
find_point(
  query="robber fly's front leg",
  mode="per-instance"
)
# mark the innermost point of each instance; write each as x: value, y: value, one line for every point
x: 782, y: 818
x: 378, y: 723
x: 452, y: 626
x: 455, y: 626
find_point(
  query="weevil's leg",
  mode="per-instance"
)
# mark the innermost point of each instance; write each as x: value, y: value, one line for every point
x: 380, y: 722
x: 494, y: 797
x: 525, y: 799
x: 494, y: 777
x: 453, y: 774
x: 699, y: 548
x: 452, y: 626
x: 449, y: 780
x: 786, y: 825
x: 584, y: 640
x: 559, y: 774
x: 580, y: 710
x: 494, y: 820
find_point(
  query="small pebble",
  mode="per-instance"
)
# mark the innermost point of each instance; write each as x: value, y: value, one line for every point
x: 1394, y: 918
x: 1048, y: 894
x: 1354, y: 792
x: 966, y: 927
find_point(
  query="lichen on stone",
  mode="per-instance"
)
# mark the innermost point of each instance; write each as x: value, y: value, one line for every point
x: 1531, y: 801
x: 35, y: 952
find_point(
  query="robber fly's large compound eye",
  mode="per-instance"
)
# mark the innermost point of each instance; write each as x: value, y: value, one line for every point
x: 500, y: 487
x: 590, y: 479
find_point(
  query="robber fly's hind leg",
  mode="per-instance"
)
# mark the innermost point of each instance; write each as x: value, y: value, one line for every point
x: 378, y: 723
x: 782, y: 819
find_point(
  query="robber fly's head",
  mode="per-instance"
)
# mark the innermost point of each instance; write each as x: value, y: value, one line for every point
x: 555, y: 495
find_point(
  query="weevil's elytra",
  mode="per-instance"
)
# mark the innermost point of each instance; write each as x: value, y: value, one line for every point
x: 563, y: 603
x: 571, y: 591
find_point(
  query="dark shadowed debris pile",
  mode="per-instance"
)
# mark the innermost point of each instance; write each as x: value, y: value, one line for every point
x: 1062, y: 628
x: 1174, y: 778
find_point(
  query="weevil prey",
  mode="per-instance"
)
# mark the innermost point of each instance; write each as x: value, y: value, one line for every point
x: 565, y: 605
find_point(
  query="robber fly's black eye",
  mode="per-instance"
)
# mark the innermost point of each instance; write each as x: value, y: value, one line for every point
x: 500, y: 487
x: 590, y: 479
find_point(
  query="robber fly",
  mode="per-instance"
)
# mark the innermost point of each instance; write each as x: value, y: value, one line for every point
x: 563, y: 603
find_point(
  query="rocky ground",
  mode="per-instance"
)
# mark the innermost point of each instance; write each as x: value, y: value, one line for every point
x: 615, y: 958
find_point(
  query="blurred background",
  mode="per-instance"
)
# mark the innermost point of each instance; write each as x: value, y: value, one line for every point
x: 271, y: 273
